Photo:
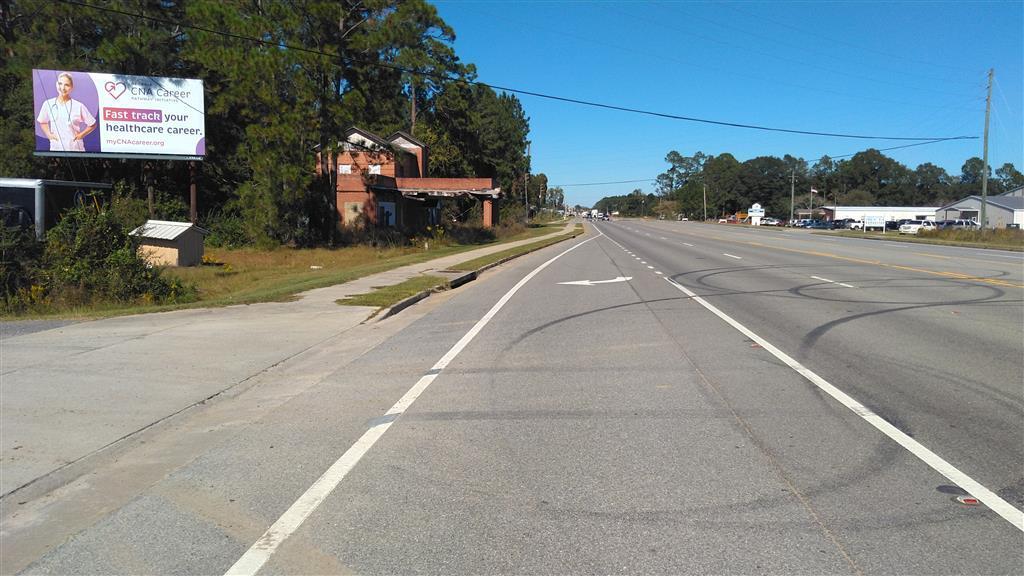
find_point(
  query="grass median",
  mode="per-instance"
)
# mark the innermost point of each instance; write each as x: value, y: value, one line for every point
x: 387, y: 296
x: 498, y: 257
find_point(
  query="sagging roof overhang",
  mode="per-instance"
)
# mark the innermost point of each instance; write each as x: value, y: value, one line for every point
x: 424, y: 193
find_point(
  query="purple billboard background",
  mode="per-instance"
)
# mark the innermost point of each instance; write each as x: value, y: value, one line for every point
x: 44, y: 87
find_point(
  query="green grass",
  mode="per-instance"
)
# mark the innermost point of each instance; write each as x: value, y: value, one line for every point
x: 1001, y: 239
x: 248, y: 275
x: 386, y: 296
x: 483, y: 261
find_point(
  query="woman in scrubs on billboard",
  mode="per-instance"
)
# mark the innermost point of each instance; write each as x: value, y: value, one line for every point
x: 64, y: 120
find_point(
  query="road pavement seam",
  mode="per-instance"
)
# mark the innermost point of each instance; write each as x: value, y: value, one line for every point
x: 259, y: 553
x: 973, y: 487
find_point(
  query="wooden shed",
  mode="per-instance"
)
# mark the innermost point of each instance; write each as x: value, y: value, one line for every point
x: 164, y: 243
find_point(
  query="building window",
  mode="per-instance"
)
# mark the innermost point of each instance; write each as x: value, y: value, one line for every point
x: 344, y: 168
x: 374, y: 168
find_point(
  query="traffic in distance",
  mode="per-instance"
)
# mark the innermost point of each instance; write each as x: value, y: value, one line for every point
x: 903, y: 226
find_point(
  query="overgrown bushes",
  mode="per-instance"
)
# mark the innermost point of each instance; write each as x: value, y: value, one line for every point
x: 88, y: 258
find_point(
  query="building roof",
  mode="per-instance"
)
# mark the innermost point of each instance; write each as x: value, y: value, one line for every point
x: 165, y: 230
x: 367, y: 135
x: 1007, y: 202
x: 880, y: 207
x: 399, y: 134
x: 1018, y: 191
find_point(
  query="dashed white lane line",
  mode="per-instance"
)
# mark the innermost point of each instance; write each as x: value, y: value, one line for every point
x: 687, y: 244
x: 253, y: 560
x: 833, y: 281
x: 731, y: 256
x: 662, y: 237
x: 651, y: 267
x: 658, y: 273
x: 974, y: 488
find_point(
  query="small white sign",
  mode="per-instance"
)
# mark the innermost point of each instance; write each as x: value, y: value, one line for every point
x: 755, y: 210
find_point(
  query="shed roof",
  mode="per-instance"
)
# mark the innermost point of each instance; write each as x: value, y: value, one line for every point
x: 165, y: 230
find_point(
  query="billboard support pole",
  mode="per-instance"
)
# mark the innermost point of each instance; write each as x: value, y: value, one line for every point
x: 193, y: 212
x: 147, y: 177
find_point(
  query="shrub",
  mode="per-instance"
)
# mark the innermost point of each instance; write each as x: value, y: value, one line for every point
x: 226, y: 230
x: 90, y: 258
x: 471, y: 234
x: 20, y: 256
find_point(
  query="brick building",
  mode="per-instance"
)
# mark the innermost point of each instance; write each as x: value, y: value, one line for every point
x: 384, y: 182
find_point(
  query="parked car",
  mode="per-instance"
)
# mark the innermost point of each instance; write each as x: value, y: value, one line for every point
x: 915, y: 226
x: 818, y: 225
x: 769, y: 221
x: 852, y: 224
x: 958, y: 223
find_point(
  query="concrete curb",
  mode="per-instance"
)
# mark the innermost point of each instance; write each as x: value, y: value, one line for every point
x: 456, y: 282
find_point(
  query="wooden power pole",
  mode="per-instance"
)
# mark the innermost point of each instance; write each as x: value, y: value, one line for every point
x: 984, y: 161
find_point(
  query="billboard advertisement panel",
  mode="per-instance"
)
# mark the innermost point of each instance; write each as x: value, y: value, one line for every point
x: 117, y: 115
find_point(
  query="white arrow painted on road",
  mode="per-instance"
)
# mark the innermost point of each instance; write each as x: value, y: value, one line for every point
x: 592, y: 282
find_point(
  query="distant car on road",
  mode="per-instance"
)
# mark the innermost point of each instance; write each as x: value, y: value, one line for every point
x: 915, y: 226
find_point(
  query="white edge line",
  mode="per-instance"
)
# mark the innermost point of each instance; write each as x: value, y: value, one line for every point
x: 259, y: 553
x: 974, y: 488
x: 823, y: 279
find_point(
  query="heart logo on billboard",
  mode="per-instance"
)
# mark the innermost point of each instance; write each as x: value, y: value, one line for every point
x: 115, y: 89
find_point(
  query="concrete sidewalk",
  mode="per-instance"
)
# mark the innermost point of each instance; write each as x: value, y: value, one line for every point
x: 71, y: 391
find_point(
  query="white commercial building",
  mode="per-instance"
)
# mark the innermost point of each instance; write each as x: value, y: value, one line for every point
x: 886, y: 213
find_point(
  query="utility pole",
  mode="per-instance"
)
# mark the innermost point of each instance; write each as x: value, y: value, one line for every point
x: 526, y: 184
x: 792, y: 194
x: 705, y: 186
x: 984, y: 168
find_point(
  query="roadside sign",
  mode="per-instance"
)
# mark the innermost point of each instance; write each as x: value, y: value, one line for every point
x: 755, y: 210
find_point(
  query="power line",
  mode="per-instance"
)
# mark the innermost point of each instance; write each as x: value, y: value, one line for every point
x: 603, y: 183
x: 887, y: 149
x: 446, y: 78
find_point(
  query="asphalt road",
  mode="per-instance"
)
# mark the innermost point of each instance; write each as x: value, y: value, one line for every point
x: 620, y: 427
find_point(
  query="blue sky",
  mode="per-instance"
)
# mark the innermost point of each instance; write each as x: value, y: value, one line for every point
x: 915, y: 69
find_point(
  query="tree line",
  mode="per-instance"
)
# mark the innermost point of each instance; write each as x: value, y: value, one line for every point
x: 868, y: 178
x: 320, y: 67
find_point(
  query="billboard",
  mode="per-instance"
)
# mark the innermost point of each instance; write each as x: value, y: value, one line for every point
x: 116, y: 115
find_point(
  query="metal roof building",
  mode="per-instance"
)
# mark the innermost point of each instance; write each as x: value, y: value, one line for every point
x: 165, y: 243
x: 1000, y: 211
